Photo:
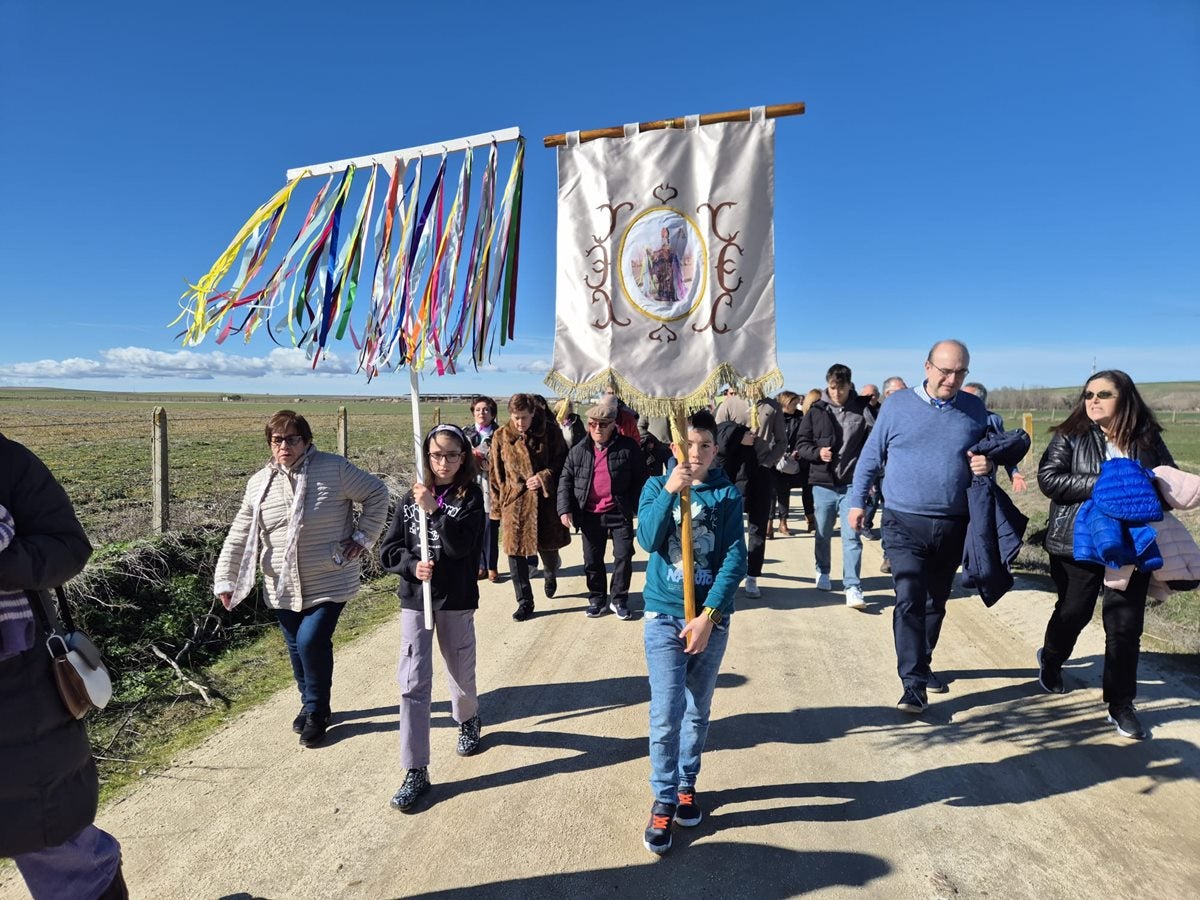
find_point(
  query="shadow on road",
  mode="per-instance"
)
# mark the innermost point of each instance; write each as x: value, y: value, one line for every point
x: 721, y: 869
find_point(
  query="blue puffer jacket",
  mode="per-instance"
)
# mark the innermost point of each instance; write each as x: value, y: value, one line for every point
x: 1112, y: 527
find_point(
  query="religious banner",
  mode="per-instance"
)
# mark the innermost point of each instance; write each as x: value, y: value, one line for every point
x: 666, y: 264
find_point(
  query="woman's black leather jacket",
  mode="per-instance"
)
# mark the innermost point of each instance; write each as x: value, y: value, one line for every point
x: 1067, y: 474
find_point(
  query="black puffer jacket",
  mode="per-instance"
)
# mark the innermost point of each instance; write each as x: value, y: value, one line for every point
x: 1068, y: 472
x: 820, y: 428
x: 626, y: 468
x: 48, y: 784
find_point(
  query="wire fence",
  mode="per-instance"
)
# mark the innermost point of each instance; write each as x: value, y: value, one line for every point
x: 104, y: 454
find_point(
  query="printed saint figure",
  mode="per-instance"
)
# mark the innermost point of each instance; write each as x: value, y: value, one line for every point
x: 666, y: 271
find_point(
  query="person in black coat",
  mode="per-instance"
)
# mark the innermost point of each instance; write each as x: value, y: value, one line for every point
x: 48, y: 782
x: 1109, y: 419
x: 598, y: 490
x: 453, y: 506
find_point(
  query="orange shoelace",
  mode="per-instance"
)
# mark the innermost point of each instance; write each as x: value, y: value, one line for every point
x: 660, y: 822
x: 686, y: 798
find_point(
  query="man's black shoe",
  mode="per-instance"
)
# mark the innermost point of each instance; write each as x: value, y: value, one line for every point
x: 551, y: 583
x: 913, y: 701
x: 1050, y: 677
x: 314, y: 728
x: 1123, y: 716
x: 298, y: 722
x: 524, y: 611
x: 658, y: 830
x: 620, y: 610
x: 935, y: 685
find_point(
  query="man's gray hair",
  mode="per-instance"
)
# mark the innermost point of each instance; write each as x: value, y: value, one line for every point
x: 900, y: 384
x: 977, y: 389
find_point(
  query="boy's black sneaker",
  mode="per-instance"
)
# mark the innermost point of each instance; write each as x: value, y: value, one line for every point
x: 688, y: 813
x: 658, y: 829
x: 1050, y: 677
x: 913, y: 701
x: 468, y: 736
x: 416, y: 783
x: 524, y: 611
x: 1123, y: 716
x: 314, y: 728
x: 298, y: 722
x: 935, y: 685
x: 595, y: 610
x: 620, y: 610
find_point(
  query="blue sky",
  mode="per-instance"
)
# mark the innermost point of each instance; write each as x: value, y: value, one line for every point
x: 1022, y: 175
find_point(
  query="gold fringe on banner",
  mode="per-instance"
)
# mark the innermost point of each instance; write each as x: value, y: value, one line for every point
x: 725, y: 373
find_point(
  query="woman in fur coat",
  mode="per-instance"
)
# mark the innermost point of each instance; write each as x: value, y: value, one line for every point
x: 526, y: 460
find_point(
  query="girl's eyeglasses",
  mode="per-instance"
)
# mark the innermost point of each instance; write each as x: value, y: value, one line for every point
x: 445, y: 457
x: 1099, y: 395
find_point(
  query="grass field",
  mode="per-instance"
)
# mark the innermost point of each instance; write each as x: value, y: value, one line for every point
x: 99, y: 447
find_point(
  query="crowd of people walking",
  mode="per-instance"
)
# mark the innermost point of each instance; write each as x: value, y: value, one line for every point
x: 921, y: 461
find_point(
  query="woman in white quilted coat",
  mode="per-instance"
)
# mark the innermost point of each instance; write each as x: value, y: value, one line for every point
x: 297, y: 523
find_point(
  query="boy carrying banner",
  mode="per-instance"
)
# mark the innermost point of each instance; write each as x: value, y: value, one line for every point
x: 684, y: 658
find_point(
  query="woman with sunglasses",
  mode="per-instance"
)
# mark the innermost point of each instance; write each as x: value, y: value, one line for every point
x: 1109, y: 420
x: 297, y: 523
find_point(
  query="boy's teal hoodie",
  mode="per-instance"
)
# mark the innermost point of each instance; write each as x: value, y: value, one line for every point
x: 717, y: 535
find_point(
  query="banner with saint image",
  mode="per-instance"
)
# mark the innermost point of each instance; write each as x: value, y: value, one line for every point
x: 666, y: 264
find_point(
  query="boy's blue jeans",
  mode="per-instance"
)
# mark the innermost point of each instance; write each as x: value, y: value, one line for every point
x: 681, y: 689
x: 830, y: 504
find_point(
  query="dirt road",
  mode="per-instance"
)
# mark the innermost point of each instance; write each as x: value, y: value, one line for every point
x: 813, y: 783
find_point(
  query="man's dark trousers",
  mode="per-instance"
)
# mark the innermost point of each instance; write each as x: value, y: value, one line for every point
x: 925, y: 552
x: 595, y: 528
x: 759, y: 499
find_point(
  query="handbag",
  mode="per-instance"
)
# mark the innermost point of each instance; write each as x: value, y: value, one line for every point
x: 82, y: 680
x: 788, y: 464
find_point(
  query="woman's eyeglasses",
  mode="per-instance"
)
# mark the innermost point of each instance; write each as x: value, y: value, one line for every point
x: 445, y: 457
x: 1099, y: 395
x: 290, y: 439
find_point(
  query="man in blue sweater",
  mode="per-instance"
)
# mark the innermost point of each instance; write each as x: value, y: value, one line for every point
x: 683, y: 658
x: 921, y: 438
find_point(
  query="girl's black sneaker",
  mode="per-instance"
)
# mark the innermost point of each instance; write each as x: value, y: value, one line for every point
x: 416, y: 783
x: 468, y: 736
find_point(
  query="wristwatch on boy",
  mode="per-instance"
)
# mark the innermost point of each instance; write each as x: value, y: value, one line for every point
x: 713, y: 614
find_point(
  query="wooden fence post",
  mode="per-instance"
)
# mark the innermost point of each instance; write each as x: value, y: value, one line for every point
x: 343, y: 432
x: 161, y: 507
x: 437, y: 415
x: 1027, y: 424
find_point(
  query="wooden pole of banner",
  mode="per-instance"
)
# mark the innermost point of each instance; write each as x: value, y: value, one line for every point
x: 679, y: 427
x: 777, y: 111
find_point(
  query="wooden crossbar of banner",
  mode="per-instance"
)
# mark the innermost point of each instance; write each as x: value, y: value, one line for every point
x: 736, y: 115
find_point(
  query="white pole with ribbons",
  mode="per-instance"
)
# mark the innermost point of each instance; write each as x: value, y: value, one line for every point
x: 415, y: 394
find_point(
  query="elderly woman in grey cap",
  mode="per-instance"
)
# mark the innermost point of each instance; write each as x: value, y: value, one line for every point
x: 598, y: 493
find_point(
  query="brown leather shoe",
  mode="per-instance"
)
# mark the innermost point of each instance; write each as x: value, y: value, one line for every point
x: 783, y: 527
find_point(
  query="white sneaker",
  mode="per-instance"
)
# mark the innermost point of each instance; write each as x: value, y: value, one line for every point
x: 823, y: 582
x: 854, y: 598
x: 751, y: 586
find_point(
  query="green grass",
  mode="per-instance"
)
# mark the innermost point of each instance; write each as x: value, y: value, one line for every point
x: 144, y: 737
